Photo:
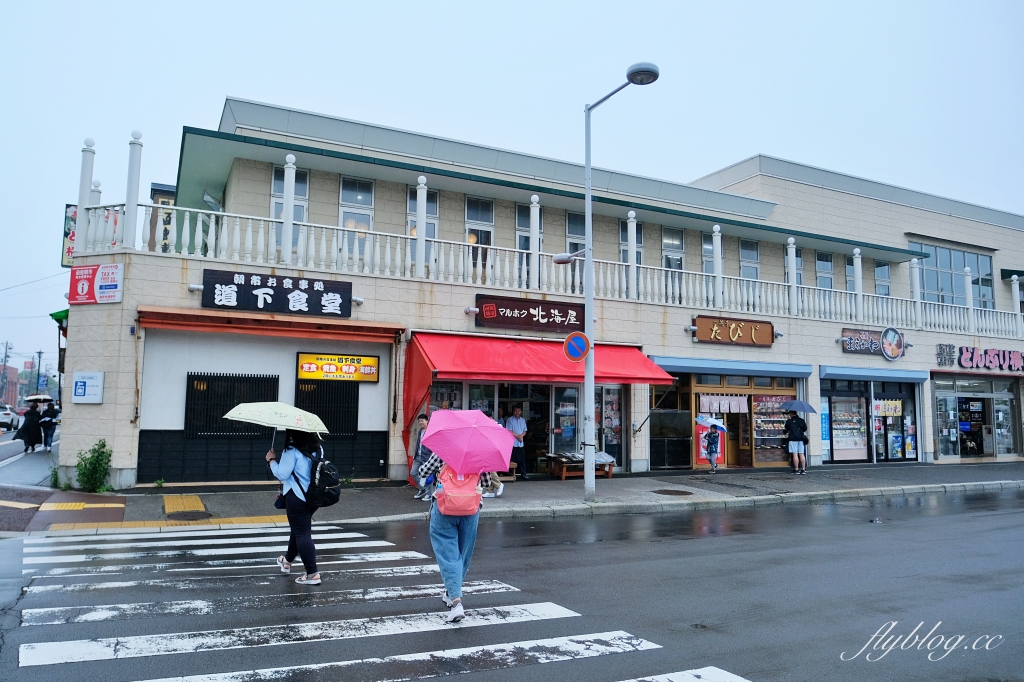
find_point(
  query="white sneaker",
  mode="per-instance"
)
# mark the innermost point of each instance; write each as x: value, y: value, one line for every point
x: 447, y: 601
x: 501, y: 489
x: 488, y: 495
x: 456, y: 613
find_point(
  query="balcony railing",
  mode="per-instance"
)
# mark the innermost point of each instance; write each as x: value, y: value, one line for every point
x: 230, y: 237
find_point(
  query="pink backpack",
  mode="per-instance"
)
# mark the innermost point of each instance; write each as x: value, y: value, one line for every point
x: 457, y: 494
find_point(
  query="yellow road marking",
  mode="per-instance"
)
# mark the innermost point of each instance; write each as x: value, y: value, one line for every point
x: 180, y: 503
x: 77, y: 506
x: 163, y: 524
x: 17, y: 505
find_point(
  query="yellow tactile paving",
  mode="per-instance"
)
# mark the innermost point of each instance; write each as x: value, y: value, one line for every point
x: 17, y: 505
x: 162, y: 524
x: 180, y: 503
x: 77, y: 506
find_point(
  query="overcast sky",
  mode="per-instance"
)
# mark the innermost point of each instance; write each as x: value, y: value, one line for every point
x: 925, y: 95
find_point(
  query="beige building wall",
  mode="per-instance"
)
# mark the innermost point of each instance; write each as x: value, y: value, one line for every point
x: 324, y: 197
x: 247, y: 191
x: 390, y: 207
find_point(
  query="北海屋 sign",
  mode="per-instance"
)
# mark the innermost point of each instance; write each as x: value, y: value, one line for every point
x: 226, y: 290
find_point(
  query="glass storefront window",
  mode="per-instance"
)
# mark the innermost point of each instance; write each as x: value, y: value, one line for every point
x: 1002, y: 386
x: 608, y: 402
x: 482, y: 397
x: 709, y: 379
x: 762, y: 382
x: 942, y: 384
x: 784, y: 382
x: 446, y: 396
x: 970, y: 385
x: 737, y: 381
x: 564, y: 426
x: 849, y: 429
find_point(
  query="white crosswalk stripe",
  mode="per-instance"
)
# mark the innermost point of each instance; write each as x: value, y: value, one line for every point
x: 225, y: 574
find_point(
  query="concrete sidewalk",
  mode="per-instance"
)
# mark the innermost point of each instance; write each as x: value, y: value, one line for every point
x: 668, y: 493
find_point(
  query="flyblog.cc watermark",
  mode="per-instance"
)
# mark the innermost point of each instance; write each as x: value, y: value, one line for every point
x: 938, y: 646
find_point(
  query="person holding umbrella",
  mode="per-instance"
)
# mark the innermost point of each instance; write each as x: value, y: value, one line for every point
x: 48, y: 422
x: 466, y: 445
x: 796, y: 431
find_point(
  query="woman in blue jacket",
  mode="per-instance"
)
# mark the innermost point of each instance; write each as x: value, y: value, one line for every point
x: 293, y: 471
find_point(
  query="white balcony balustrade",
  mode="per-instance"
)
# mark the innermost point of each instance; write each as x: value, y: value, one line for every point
x: 230, y: 237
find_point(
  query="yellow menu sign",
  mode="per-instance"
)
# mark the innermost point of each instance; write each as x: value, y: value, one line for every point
x: 339, y: 367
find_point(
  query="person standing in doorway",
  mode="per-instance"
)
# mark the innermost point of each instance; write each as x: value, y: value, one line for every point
x: 796, y: 430
x: 501, y: 416
x: 48, y: 422
x: 453, y: 537
x: 293, y: 471
x: 420, y: 455
x: 517, y: 425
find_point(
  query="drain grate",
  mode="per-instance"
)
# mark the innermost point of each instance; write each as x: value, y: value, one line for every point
x: 677, y: 493
x: 189, y: 515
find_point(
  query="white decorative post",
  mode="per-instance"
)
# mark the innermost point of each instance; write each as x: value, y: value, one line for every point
x: 288, y: 212
x: 95, y: 193
x: 1015, y: 292
x: 534, y: 268
x: 420, y: 267
x: 969, y: 292
x: 716, y: 242
x: 858, y: 284
x: 631, y: 284
x: 131, y: 200
x: 794, y: 293
x: 915, y: 291
x: 84, y: 182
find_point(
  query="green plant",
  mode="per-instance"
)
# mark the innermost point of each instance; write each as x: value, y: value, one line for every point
x: 94, y: 467
x: 159, y: 483
x: 66, y: 486
x: 348, y: 482
x: 54, y: 477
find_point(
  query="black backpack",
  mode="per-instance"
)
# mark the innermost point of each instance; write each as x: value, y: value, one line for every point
x: 324, y: 482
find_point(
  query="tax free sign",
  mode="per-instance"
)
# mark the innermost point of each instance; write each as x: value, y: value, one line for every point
x: 258, y: 292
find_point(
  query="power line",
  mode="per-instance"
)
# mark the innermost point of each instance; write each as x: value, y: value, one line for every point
x: 15, y: 286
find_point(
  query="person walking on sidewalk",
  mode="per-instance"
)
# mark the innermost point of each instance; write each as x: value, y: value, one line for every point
x: 48, y: 422
x: 30, y: 432
x: 796, y: 430
x: 420, y: 455
x: 454, y: 536
x: 293, y: 471
x: 517, y: 425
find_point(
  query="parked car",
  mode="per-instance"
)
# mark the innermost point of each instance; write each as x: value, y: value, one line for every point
x: 8, y: 417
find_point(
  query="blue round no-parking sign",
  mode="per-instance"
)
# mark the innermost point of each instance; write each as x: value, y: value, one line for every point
x: 576, y: 346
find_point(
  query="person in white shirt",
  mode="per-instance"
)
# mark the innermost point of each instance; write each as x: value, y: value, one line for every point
x: 517, y: 425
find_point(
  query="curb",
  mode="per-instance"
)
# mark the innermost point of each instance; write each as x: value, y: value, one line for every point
x: 540, y: 511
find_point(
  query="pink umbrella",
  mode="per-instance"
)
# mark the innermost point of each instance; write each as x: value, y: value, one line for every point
x: 469, y: 441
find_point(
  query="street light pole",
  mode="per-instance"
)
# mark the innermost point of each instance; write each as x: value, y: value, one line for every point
x: 640, y: 74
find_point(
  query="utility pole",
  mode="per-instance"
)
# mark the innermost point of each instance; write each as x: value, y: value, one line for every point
x: 39, y: 368
x: 3, y: 377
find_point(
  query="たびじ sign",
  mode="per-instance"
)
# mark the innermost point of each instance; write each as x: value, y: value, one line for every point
x: 339, y: 367
x: 96, y: 284
x: 528, y: 313
x: 733, y: 332
x: 889, y: 343
x: 227, y: 290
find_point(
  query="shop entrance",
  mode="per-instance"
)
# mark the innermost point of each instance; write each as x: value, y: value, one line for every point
x: 857, y: 430
x: 739, y: 451
x: 980, y: 423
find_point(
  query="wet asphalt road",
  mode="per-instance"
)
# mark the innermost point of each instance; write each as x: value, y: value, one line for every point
x: 778, y: 593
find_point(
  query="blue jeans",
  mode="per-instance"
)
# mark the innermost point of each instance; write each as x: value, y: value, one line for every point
x: 453, y: 539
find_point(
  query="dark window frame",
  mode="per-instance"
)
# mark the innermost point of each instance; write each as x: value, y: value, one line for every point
x: 209, y: 396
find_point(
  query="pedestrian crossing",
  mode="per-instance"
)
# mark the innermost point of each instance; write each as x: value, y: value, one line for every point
x: 208, y: 603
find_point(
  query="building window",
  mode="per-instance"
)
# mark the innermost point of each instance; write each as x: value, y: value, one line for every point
x: 737, y: 381
x: 882, y: 278
x: 431, y: 213
x: 784, y: 382
x: 335, y: 402
x: 623, y: 242
x: 850, y: 281
x: 301, y: 209
x: 479, y: 221
x: 823, y: 269
x: 709, y: 379
x: 799, y: 267
x: 208, y: 397
x: 707, y: 253
x: 672, y: 248
x: 749, y: 260
x: 942, y: 275
x: 357, y: 205
x: 523, y: 228
x: 762, y: 382
x: 575, y: 232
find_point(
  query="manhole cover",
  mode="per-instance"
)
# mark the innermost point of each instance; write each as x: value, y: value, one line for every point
x: 189, y: 516
x: 678, y: 493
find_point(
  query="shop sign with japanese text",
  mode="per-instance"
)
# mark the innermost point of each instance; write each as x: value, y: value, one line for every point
x: 989, y: 358
x: 96, y: 284
x: 889, y: 343
x: 227, y: 290
x: 339, y: 367
x: 733, y: 332
x: 528, y: 313
x: 68, y: 248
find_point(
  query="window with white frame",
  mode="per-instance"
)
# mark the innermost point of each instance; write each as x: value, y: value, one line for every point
x: 750, y: 261
x: 356, y: 213
x: 575, y: 232
x: 479, y: 221
x: 624, y: 242
x: 883, y: 279
x: 824, y: 270
x: 707, y: 252
x: 942, y: 275
x: 850, y: 282
x: 672, y: 248
x: 799, y: 267
x: 301, y: 210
